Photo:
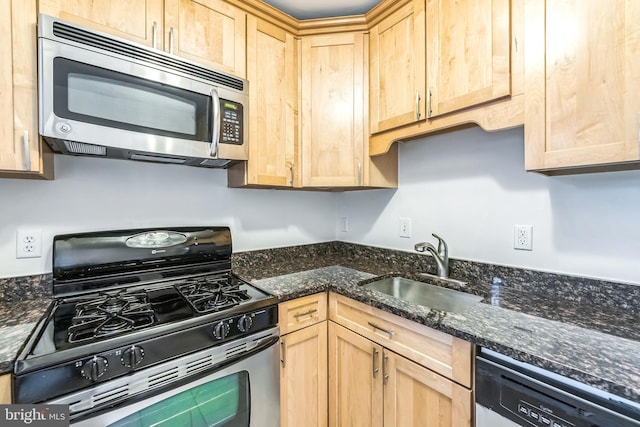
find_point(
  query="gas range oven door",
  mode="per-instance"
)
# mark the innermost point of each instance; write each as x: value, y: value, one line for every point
x: 244, y: 392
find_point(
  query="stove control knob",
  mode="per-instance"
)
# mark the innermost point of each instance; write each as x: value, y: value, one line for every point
x: 221, y: 330
x: 95, y: 368
x: 244, y: 323
x: 132, y: 356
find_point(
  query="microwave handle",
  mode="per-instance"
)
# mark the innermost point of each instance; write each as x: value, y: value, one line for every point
x: 215, y: 140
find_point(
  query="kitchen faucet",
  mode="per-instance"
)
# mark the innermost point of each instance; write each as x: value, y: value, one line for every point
x: 440, y: 255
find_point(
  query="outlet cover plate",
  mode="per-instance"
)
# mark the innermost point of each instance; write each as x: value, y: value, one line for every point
x: 523, y: 237
x: 29, y: 244
x: 405, y: 227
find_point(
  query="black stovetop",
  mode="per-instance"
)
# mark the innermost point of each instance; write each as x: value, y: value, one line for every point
x: 89, y: 318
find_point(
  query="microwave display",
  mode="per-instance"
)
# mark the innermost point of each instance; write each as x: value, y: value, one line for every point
x: 231, y: 114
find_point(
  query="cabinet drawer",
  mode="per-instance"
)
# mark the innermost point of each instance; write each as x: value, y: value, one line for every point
x: 302, y: 312
x: 442, y: 353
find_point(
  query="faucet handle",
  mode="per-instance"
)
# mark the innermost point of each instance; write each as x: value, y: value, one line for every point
x: 421, y: 247
x: 443, y: 250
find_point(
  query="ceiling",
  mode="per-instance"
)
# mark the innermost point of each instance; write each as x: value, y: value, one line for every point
x: 309, y: 9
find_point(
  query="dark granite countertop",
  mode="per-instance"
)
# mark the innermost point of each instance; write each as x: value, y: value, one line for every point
x: 582, y: 328
x: 599, y: 359
x: 17, y: 320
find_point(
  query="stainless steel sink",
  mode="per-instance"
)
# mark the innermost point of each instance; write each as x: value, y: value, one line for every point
x: 425, y: 294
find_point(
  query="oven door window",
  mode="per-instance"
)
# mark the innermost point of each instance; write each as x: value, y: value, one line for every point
x: 95, y: 95
x: 224, y: 402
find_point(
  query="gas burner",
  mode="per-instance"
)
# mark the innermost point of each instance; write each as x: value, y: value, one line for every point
x: 210, y: 294
x: 110, y: 314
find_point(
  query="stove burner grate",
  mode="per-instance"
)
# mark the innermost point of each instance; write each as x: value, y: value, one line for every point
x: 210, y: 294
x: 110, y: 314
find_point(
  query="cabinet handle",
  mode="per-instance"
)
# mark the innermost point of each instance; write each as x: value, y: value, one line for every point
x: 359, y: 175
x: 283, y: 350
x: 306, y: 313
x: 154, y: 35
x: 385, y: 366
x: 374, y: 356
x: 386, y: 331
x: 171, y: 40
x: 27, y: 151
x: 429, y: 102
x: 417, y: 105
x: 292, y: 173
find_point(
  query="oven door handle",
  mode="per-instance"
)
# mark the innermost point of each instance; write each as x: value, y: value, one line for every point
x: 215, y: 117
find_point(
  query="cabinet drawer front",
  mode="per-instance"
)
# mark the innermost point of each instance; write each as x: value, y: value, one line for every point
x: 442, y: 353
x: 302, y: 312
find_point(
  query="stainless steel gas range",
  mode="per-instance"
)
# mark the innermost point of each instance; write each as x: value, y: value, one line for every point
x: 151, y: 327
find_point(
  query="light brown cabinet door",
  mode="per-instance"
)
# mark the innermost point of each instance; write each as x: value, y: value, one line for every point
x: 138, y: 21
x: 397, y: 68
x: 468, y: 53
x: 303, y: 377
x: 272, y: 71
x: 333, y: 83
x: 582, y: 83
x: 355, y: 380
x: 5, y: 389
x: 417, y: 397
x: 210, y: 32
x: 21, y: 149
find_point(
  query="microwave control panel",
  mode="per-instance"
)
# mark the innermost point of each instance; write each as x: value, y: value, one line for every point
x: 231, y: 114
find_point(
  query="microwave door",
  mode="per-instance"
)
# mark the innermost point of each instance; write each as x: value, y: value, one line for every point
x: 94, y: 98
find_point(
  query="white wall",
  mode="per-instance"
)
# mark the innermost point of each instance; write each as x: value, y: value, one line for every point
x: 470, y: 187
x: 99, y: 194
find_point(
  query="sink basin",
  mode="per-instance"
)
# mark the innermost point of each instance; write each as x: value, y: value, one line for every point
x: 425, y: 294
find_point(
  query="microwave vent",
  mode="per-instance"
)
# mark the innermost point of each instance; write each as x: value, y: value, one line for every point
x: 215, y: 163
x: 88, y: 149
x: 144, y: 54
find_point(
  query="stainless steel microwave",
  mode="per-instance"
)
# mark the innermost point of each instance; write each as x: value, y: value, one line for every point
x: 104, y: 96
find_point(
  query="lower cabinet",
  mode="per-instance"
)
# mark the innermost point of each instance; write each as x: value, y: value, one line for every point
x: 369, y: 385
x: 303, y: 362
x: 303, y: 377
x: 355, y: 380
x: 364, y: 367
x: 5, y: 389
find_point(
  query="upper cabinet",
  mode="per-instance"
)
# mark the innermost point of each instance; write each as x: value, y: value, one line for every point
x: 210, y: 32
x: 582, y: 86
x: 433, y: 61
x: 397, y: 68
x: 470, y: 69
x: 468, y: 54
x: 334, y: 115
x: 138, y: 21
x: 22, y: 152
x: 272, y: 71
x: 333, y: 95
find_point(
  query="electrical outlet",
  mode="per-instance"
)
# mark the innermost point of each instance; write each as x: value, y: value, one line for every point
x: 29, y: 244
x: 523, y: 237
x: 344, y: 224
x: 405, y: 227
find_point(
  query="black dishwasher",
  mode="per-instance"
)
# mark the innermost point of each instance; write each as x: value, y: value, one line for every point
x: 511, y: 393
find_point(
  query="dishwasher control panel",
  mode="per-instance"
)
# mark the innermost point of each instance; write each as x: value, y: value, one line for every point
x: 512, y: 393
